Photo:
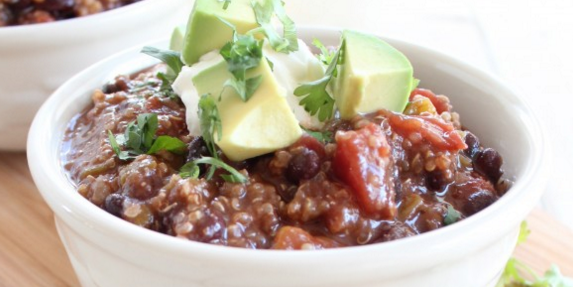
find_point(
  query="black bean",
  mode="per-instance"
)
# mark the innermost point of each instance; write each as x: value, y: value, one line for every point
x: 197, y: 149
x: 488, y: 162
x: 114, y: 204
x: 436, y: 180
x: 473, y: 145
x: 119, y: 84
x: 304, y: 164
x: 478, y: 201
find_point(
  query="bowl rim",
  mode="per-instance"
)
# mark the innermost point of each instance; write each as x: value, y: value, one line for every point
x: 92, y: 20
x: 526, y: 190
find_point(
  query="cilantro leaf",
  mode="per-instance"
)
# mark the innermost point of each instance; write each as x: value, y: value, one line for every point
x: 316, y: 97
x: 321, y: 136
x: 174, y: 64
x: 243, y: 53
x: 191, y: 170
x: 523, y: 232
x: 167, y: 143
x: 210, y: 122
x: 139, y: 138
x: 326, y: 56
x: 264, y: 14
x: 171, y: 58
x: 452, y: 215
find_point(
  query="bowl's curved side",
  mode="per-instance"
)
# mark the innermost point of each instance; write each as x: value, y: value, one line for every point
x: 474, y: 249
x: 36, y: 59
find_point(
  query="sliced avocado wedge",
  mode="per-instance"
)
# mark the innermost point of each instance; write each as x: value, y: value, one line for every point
x: 177, y: 36
x: 258, y: 126
x: 206, y: 32
x: 373, y: 75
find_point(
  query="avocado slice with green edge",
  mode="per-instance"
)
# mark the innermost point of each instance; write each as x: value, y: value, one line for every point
x: 177, y: 38
x: 373, y: 75
x: 205, y: 30
x: 262, y: 124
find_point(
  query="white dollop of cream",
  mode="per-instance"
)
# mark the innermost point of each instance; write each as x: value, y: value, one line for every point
x: 183, y: 86
x: 290, y: 70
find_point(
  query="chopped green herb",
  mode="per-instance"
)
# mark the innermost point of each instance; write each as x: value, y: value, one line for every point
x: 173, y: 61
x: 316, y: 97
x: 167, y: 143
x: 210, y: 122
x: 326, y: 56
x: 225, y: 4
x: 139, y: 138
x: 516, y: 272
x: 171, y: 58
x: 244, y: 52
x: 523, y: 232
x: 264, y: 14
x: 452, y: 215
x: 321, y: 136
x: 191, y: 170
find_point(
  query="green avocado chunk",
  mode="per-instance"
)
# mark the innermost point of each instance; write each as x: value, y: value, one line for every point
x: 263, y: 124
x: 373, y: 75
x: 177, y: 36
x: 206, y: 32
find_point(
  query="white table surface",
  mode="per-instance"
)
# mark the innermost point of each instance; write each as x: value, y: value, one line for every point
x: 528, y: 43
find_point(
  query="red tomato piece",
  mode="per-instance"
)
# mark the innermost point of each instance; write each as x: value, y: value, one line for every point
x: 441, y: 104
x: 294, y: 238
x: 361, y: 160
x: 434, y: 130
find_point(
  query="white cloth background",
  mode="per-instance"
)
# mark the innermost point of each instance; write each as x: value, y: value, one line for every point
x: 528, y: 43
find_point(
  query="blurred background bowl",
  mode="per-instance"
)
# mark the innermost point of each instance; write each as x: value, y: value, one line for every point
x: 36, y: 59
x: 472, y: 252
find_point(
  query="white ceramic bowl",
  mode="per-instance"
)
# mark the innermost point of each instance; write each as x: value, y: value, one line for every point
x: 36, y: 59
x: 106, y: 251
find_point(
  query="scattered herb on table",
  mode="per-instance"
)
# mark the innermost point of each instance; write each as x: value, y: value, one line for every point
x: 516, y: 272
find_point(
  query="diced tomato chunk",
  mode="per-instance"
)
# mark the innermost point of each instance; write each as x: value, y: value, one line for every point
x: 294, y: 238
x: 361, y: 160
x: 438, y: 133
x: 441, y: 104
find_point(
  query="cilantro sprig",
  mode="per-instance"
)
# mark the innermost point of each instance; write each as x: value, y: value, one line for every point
x: 174, y: 64
x: 242, y: 53
x: 264, y: 14
x: 139, y: 138
x: 326, y: 56
x: 192, y: 170
x: 210, y: 122
x: 321, y: 136
x: 514, y: 270
x: 316, y: 98
x: 452, y: 215
x: 211, y: 127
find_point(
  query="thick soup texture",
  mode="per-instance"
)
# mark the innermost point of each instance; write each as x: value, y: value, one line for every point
x: 375, y: 178
x: 25, y: 12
